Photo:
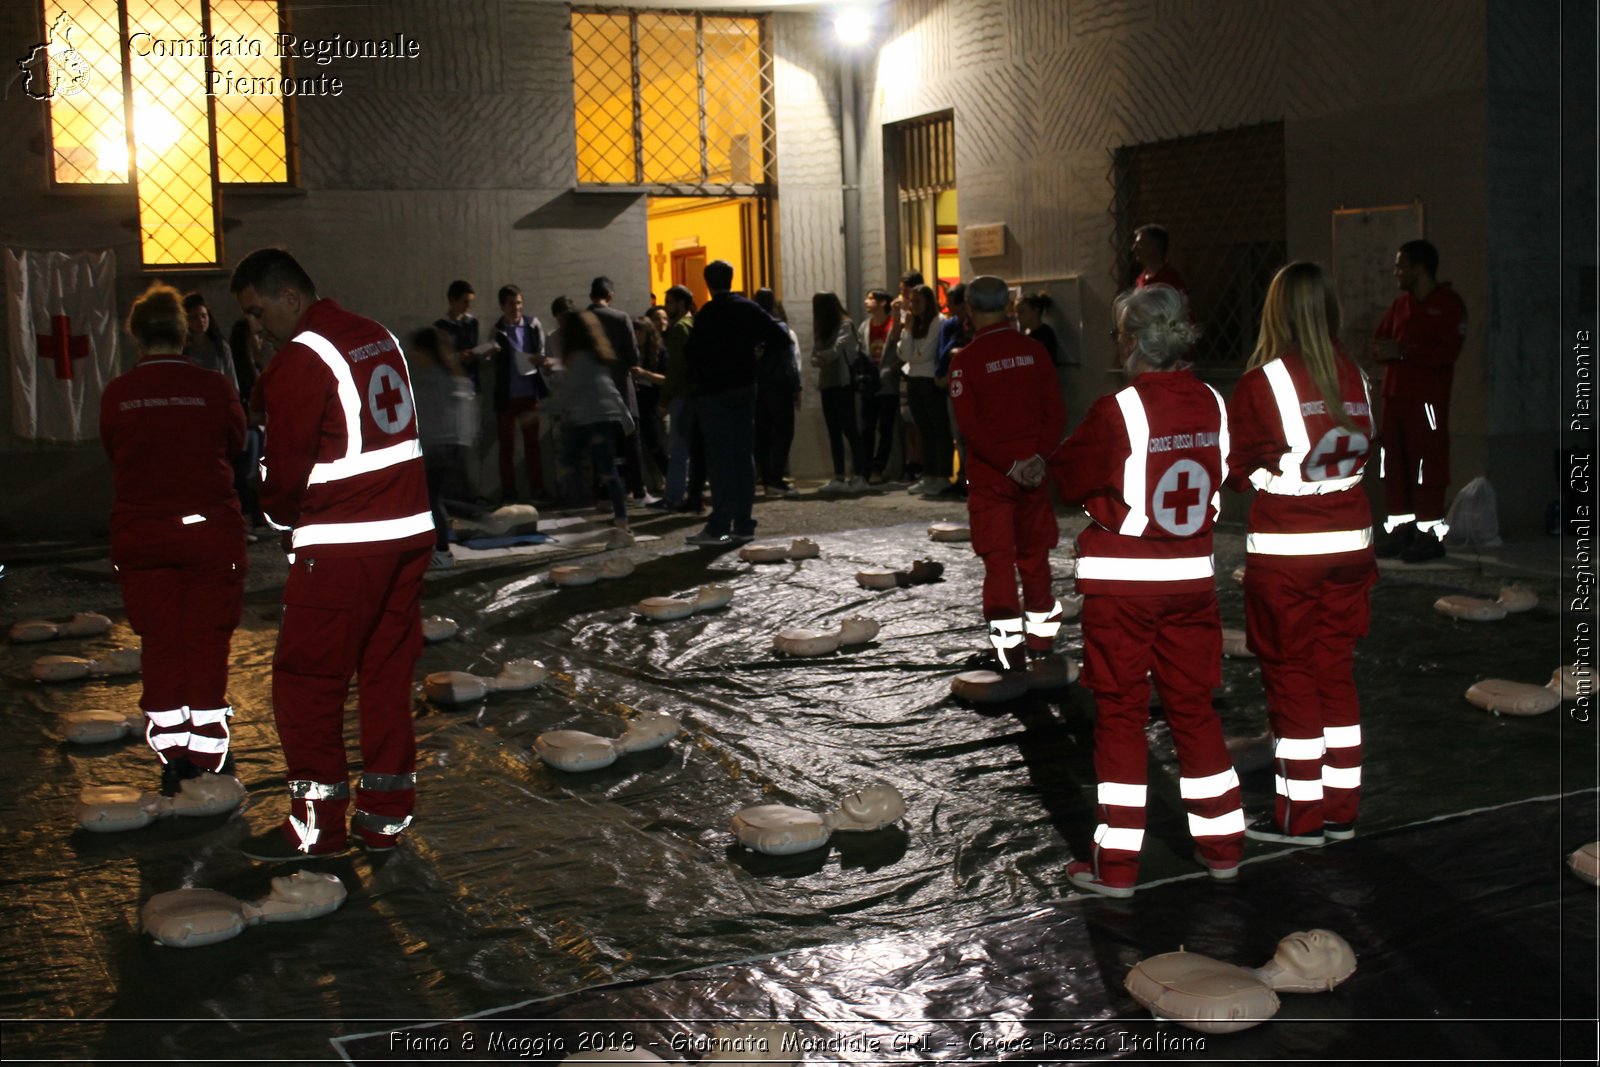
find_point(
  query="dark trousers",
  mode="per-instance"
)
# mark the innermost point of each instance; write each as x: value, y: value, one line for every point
x: 839, y: 414
x: 774, y: 433
x: 521, y: 414
x: 728, y: 421
x: 879, y: 413
x: 930, y: 410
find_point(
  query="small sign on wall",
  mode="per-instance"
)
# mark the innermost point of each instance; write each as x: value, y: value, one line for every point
x: 988, y: 240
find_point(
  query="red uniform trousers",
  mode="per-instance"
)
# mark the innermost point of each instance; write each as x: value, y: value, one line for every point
x: 1013, y: 530
x: 521, y: 413
x: 1416, y: 458
x: 342, y: 616
x: 183, y: 587
x: 1178, y: 638
x: 1303, y: 623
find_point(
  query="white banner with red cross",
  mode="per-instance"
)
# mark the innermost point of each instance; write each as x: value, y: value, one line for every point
x: 61, y: 322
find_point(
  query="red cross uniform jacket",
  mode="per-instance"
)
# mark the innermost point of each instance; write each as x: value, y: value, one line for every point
x: 1007, y: 403
x: 1309, y: 510
x: 1146, y: 464
x: 342, y: 464
x: 1430, y: 334
x: 170, y: 429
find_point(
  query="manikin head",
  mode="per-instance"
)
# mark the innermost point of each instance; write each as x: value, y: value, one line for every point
x: 1311, y: 961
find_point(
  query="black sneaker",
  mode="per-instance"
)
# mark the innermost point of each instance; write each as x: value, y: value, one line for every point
x: 1338, y: 831
x: 1396, y: 541
x: 1423, y: 548
x: 273, y: 846
x: 174, y: 773
x: 707, y: 539
x: 1264, y: 829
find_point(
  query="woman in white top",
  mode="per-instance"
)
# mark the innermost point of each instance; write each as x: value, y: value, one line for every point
x: 914, y: 341
x: 834, y: 349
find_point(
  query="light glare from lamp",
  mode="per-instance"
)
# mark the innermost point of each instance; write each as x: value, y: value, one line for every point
x: 853, y: 25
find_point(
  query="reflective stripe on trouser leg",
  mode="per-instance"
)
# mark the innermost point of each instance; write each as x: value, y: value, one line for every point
x: 1041, y: 627
x: 383, y: 790
x: 1297, y: 785
x: 1392, y: 522
x: 1341, y: 773
x: 1006, y: 637
x: 1216, y: 813
x: 1435, y: 528
x: 167, y: 733
x: 1119, y: 832
x: 316, y: 815
x: 209, y: 737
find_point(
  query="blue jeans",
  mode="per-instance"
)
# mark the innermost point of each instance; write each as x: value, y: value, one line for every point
x: 728, y: 421
x: 600, y: 439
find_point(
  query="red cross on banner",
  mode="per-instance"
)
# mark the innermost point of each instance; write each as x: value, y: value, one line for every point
x: 62, y: 346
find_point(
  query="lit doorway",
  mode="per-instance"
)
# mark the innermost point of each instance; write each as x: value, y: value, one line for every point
x: 921, y: 164
x: 684, y: 233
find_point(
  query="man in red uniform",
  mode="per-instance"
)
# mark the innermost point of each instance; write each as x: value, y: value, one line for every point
x: 342, y: 471
x: 1417, y: 344
x: 1150, y: 249
x: 177, y: 535
x: 1146, y: 465
x: 1003, y: 386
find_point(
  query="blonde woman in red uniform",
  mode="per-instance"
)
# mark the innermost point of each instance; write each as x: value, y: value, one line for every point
x: 171, y: 429
x: 1302, y: 429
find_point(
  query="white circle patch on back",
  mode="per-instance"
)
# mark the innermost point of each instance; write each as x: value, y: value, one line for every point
x: 1181, y: 498
x: 1336, y: 455
x: 389, y: 400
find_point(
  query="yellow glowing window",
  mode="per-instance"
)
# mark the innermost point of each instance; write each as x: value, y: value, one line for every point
x: 671, y: 98
x: 85, y: 79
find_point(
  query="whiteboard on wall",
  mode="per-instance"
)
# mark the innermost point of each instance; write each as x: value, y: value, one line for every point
x: 1364, y: 243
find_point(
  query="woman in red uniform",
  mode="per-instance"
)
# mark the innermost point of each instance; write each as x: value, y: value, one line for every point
x: 1302, y: 426
x: 1147, y: 465
x: 177, y: 535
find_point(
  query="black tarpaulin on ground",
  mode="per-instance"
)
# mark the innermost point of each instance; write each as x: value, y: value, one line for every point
x: 520, y: 882
x: 1466, y: 935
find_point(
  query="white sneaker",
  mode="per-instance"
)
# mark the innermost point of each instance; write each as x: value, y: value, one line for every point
x: 930, y: 486
x: 441, y: 560
x: 837, y: 485
x: 856, y: 484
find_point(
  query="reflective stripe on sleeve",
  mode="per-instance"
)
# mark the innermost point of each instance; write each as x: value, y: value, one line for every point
x: 1122, y: 569
x: 1325, y: 543
x: 190, y: 520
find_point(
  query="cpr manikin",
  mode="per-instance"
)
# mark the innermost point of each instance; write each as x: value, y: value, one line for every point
x: 949, y: 532
x: 996, y: 687
x: 1585, y: 862
x: 459, y: 687
x: 1514, y: 598
x: 921, y: 572
x: 1234, y: 645
x: 574, y: 750
x: 855, y: 631
x: 117, y: 662
x: 666, y: 608
x: 588, y: 574
x: 799, y: 548
x: 1220, y: 998
x: 192, y: 918
x: 436, y: 628
x: 781, y: 830
x: 82, y: 624
x: 109, y: 809
x: 97, y: 726
x: 1522, y: 698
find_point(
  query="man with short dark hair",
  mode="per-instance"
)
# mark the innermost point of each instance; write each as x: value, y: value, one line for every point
x: 461, y: 327
x: 343, y: 476
x: 618, y: 328
x: 729, y: 332
x: 686, y: 451
x: 519, y: 385
x: 1417, y: 344
x: 1150, y: 249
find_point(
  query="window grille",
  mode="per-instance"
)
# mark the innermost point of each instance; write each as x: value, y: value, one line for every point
x: 1221, y: 197
x: 678, y: 100
x: 922, y: 152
